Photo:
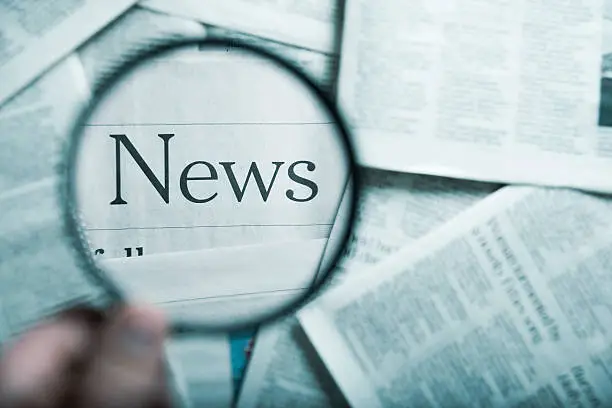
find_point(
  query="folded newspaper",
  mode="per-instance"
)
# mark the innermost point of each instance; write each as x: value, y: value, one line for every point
x: 505, y: 91
x: 508, y: 304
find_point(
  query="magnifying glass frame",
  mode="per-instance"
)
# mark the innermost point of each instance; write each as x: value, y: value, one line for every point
x: 68, y: 190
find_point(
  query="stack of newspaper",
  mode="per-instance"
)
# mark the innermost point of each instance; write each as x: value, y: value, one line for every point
x: 478, y: 273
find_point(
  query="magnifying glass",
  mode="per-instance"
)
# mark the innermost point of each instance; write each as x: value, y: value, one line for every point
x: 213, y: 179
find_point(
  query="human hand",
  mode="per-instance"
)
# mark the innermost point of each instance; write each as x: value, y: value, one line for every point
x: 81, y: 358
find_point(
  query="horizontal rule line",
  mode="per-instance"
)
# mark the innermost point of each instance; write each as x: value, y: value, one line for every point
x: 240, y: 294
x: 207, y: 226
x: 211, y: 124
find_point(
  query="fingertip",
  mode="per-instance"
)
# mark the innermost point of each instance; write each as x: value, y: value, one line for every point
x: 147, y: 317
x: 135, y: 334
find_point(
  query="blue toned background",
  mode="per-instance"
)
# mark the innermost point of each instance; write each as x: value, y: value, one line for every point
x: 238, y: 345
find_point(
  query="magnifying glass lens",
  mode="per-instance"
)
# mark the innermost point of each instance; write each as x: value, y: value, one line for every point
x: 207, y: 180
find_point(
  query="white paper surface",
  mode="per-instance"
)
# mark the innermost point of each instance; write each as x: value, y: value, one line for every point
x: 285, y: 370
x: 38, y: 269
x: 321, y: 67
x: 35, y: 123
x: 394, y: 210
x: 201, y: 366
x: 505, y: 304
x: 309, y: 24
x: 224, y: 113
x: 214, y: 285
x: 136, y: 30
x: 494, y: 91
x: 34, y: 35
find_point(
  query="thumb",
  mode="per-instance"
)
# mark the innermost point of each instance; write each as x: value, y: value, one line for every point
x: 127, y: 370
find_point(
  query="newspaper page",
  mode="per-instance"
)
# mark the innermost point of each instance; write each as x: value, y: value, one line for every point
x: 136, y: 30
x: 34, y: 124
x: 321, y: 67
x: 34, y: 35
x: 308, y: 24
x: 202, y: 371
x: 181, y: 224
x: 505, y: 305
x: 605, y: 102
x: 394, y: 209
x: 211, y: 284
x: 39, y: 273
x: 478, y: 89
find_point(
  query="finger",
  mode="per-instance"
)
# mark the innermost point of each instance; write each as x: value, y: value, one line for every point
x: 36, y: 370
x: 125, y: 371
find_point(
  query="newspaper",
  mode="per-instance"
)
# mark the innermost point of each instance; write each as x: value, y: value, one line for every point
x: 135, y: 30
x: 506, y: 305
x: 34, y: 35
x: 605, y: 101
x: 394, y: 209
x: 201, y: 371
x: 308, y: 24
x: 214, y: 285
x: 39, y: 273
x: 322, y: 68
x: 34, y: 125
x: 247, y: 205
x: 479, y: 90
